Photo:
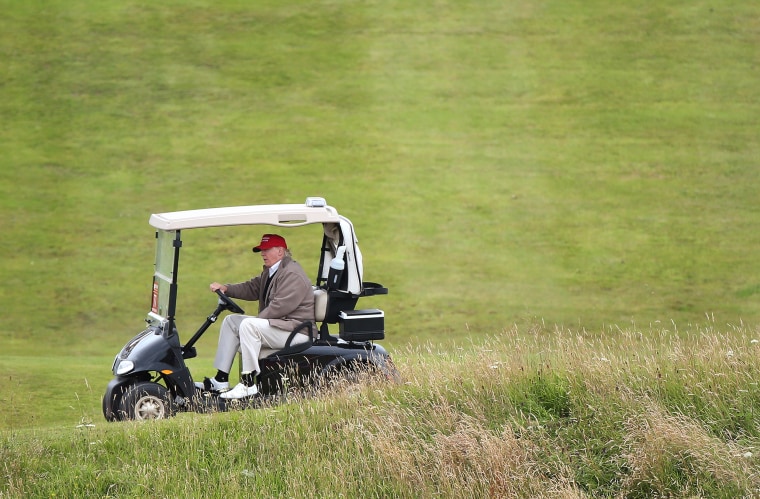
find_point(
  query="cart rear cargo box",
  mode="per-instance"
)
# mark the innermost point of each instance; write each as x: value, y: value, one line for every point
x: 362, y: 325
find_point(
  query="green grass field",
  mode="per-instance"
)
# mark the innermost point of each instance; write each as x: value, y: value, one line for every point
x: 509, y: 166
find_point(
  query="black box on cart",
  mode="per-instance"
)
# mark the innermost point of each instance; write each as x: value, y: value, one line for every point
x: 362, y: 325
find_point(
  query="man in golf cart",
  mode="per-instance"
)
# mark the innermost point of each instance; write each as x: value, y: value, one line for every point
x: 286, y: 300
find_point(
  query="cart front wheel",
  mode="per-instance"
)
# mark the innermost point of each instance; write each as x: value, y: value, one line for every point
x: 144, y: 401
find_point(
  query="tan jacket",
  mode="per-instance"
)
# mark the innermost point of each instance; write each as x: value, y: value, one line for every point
x: 289, y: 300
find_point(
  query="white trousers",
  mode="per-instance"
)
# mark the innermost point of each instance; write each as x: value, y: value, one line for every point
x: 254, y: 338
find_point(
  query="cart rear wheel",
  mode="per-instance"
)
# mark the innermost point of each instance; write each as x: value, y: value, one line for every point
x: 144, y: 401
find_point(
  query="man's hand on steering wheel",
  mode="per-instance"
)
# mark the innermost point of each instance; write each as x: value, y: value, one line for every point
x: 221, y: 289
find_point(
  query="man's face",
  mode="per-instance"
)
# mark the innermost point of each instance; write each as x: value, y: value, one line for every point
x: 272, y: 256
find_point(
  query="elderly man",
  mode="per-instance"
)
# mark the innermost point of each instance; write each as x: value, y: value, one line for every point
x: 285, y: 298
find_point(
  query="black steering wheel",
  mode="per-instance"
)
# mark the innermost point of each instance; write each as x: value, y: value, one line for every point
x: 229, y: 304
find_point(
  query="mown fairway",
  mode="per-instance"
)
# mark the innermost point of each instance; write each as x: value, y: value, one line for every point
x: 571, y: 162
x: 586, y: 165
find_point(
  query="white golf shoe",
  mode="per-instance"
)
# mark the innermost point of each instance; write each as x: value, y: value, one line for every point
x: 240, y: 391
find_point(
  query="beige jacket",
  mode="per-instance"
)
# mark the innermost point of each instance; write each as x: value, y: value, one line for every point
x: 289, y: 300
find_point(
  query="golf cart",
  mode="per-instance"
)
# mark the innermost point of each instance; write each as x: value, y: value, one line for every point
x: 151, y: 379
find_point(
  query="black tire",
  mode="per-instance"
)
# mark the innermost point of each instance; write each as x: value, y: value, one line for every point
x: 112, y: 414
x: 390, y: 372
x: 145, y: 401
x: 346, y: 374
x: 358, y: 371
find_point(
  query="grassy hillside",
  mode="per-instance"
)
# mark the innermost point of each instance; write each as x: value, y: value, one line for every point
x: 579, y: 164
x: 559, y: 195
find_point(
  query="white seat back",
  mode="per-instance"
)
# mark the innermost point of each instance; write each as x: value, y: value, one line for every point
x: 320, y: 304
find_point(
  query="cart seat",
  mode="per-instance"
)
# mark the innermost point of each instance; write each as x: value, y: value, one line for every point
x: 320, y: 308
x: 320, y: 304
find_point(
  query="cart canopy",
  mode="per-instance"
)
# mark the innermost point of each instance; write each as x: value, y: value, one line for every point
x: 338, y: 230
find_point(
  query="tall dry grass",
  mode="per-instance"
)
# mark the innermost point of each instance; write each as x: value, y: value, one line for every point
x: 553, y: 413
x: 562, y: 413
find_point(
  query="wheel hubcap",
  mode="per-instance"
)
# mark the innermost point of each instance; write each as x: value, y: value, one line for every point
x: 149, y: 407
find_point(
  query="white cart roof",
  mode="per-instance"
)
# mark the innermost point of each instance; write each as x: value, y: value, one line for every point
x: 282, y: 215
x: 338, y: 229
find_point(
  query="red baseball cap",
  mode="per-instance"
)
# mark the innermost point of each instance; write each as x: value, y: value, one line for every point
x: 270, y: 241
